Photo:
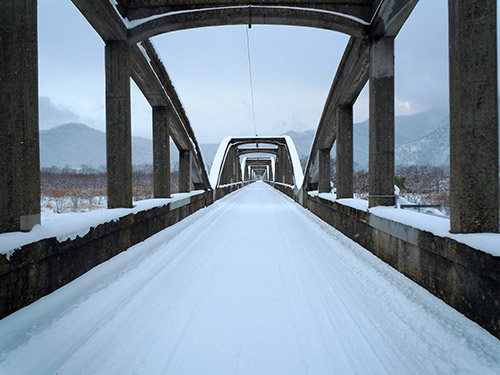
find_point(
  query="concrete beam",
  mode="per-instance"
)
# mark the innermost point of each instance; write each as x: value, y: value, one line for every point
x: 381, y: 152
x: 144, y: 76
x: 135, y: 9
x: 256, y: 15
x: 345, y: 163
x: 161, y: 151
x: 244, y: 151
x: 390, y: 17
x: 118, y: 124
x: 473, y: 116
x: 19, y: 161
x: 103, y: 18
x: 185, y: 166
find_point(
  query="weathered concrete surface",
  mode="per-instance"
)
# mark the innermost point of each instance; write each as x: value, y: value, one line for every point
x: 39, y: 268
x: 324, y: 170
x: 256, y: 15
x: 161, y: 151
x: 467, y: 279
x: 381, y: 153
x: 185, y: 169
x: 345, y: 161
x: 135, y: 9
x: 118, y: 125
x: 473, y: 116
x: 19, y: 147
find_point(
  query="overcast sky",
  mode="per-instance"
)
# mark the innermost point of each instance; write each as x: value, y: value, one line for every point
x: 293, y: 69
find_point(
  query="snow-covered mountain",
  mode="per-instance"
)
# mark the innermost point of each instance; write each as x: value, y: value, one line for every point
x: 420, y: 139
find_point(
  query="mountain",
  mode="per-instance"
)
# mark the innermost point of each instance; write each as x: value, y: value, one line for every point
x: 75, y: 145
x: 420, y: 139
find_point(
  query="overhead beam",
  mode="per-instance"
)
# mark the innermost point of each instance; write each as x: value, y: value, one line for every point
x: 103, y: 18
x: 136, y: 9
x: 273, y: 151
x: 243, y: 16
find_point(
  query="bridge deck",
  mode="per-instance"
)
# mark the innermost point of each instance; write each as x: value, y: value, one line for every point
x: 253, y: 284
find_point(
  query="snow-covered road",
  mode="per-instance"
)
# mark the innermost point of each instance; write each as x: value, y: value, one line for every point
x: 253, y: 284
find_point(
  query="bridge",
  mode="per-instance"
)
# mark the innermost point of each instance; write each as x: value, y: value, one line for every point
x: 255, y: 266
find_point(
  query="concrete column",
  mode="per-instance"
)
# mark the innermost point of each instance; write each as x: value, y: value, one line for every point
x: 381, y: 155
x: 227, y: 168
x: 473, y: 116
x: 118, y: 124
x: 245, y: 175
x: 185, y: 165
x: 232, y: 164
x: 324, y: 170
x: 277, y: 166
x: 345, y: 164
x: 161, y: 152
x: 19, y: 147
x: 289, y: 168
x: 283, y: 164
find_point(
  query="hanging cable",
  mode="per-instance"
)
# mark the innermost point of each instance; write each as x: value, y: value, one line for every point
x: 251, y: 81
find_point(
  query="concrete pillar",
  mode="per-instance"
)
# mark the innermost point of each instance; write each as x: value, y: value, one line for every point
x: 161, y: 152
x: 232, y: 164
x: 345, y: 164
x: 473, y: 116
x: 289, y: 168
x: 118, y: 124
x: 381, y: 155
x: 19, y: 147
x: 324, y: 170
x: 185, y: 165
x: 282, y: 165
x: 245, y: 173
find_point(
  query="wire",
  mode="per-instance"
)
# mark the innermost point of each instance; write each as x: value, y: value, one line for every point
x: 251, y: 81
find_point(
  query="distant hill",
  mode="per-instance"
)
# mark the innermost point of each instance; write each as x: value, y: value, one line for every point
x: 421, y: 139
x: 75, y: 145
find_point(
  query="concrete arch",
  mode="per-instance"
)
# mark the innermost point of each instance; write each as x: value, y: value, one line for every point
x: 255, y: 15
x: 230, y: 143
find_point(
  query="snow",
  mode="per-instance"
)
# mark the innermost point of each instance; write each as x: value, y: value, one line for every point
x: 440, y: 226
x: 437, y: 225
x: 71, y: 225
x: 253, y: 284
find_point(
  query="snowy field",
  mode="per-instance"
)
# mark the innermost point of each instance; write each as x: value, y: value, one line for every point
x: 253, y: 284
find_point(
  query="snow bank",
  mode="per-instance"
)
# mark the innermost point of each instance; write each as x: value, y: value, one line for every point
x: 78, y: 224
x: 439, y: 226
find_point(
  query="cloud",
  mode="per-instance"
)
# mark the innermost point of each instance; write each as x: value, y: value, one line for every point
x: 53, y: 115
